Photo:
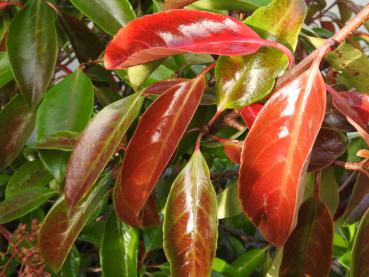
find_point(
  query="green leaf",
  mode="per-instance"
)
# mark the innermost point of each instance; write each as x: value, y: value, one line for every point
x: 228, y: 203
x: 118, y: 254
x: 352, y: 64
x: 109, y: 15
x: 67, y: 106
x: 55, y: 162
x: 153, y: 238
x: 243, y: 80
x: 247, y: 263
x: 6, y: 74
x: 360, y: 250
x: 240, y: 5
x: 32, y: 49
x: 222, y: 266
x: 16, y: 125
x: 60, y: 228
x: 31, y: 174
x: 71, y: 267
x: 23, y: 202
x: 190, y: 222
x: 97, y: 144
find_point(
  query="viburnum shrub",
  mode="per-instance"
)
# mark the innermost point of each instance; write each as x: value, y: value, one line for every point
x: 227, y: 138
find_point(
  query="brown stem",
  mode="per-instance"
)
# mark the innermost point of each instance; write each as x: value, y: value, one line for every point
x: 353, y: 166
x: 206, y: 129
x: 318, y: 177
x: 350, y: 27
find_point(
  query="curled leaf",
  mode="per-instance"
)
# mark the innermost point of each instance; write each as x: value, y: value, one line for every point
x: 190, y: 225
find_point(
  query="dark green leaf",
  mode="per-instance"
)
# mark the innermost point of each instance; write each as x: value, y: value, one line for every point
x: 16, y: 125
x: 6, y: 74
x: 31, y: 174
x: 247, y: 263
x: 55, y: 162
x: 32, y: 48
x: 109, y: 15
x: 243, y: 80
x: 67, y: 106
x: 23, y: 202
x: 118, y: 255
x: 60, y: 228
x: 153, y: 238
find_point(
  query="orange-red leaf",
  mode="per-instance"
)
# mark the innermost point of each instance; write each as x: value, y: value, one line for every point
x: 355, y: 106
x: 233, y: 151
x: 160, y: 87
x: 308, y: 252
x: 249, y: 113
x: 173, y: 32
x: 153, y: 144
x: 275, y: 151
x: 190, y: 225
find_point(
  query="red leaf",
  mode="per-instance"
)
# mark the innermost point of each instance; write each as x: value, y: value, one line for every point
x: 355, y: 106
x: 173, y: 32
x: 4, y: 5
x: 250, y: 112
x: 308, y: 252
x: 275, y: 151
x: 160, y: 87
x: 233, y: 151
x: 153, y: 144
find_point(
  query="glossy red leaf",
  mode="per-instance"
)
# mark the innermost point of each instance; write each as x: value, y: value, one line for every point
x: 233, y: 151
x: 173, y: 32
x: 360, y: 251
x: 329, y: 145
x: 153, y: 144
x: 308, y: 251
x: 249, y: 113
x: 190, y: 225
x: 160, y: 87
x: 355, y: 106
x: 275, y: 151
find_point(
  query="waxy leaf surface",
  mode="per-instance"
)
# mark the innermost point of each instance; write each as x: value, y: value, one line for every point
x: 16, y: 125
x: 160, y: 87
x: 360, y: 251
x: 60, y: 228
x: 153, y: 144
x: 109, y: 15
x: 275, y: 151
x: 177, y: 32
x: 6, y: 74
x: 32, y: 51
x: 308, y: 251
x: 355, y: 106
x: 246, y: 79
x: 228, y: 203
x: 329, y: 145
x: 190, y: 224
x: 97, y: 144
x: 249, y: 113
x: 118, y: 253
x: 67, y: 106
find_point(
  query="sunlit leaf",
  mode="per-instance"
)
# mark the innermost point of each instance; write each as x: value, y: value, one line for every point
x: 353, y: 64
x: 177, y: 4
x: 181, y: 31
x: 97, y: 144
x: 16, y: 125
x: 245, y: 80
x: 19, y: 204
x: 275, y: 151
x: 308, y: 251
x: 228, y: 203
x: 329, y: 145
x: 153, y: 144
x: 31, y: 174
x: 360, y: 250
x: 240, y: 5
x: 160, y: 87
x: 109, y: 15
x: 249, y: 113
x: 32, y: 49
x: 190, y: 224
x: 233, y: 151
x: 121, y: 241
x: 60, y: 229
x: 246, y: 263
x: 67, y: 106
x: 355, y: 106
x: 222, y: 266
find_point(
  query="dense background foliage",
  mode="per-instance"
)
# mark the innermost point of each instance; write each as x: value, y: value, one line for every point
x: 65, y: 123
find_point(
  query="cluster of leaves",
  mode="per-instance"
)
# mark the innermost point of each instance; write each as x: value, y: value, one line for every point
x: 156, y: 143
